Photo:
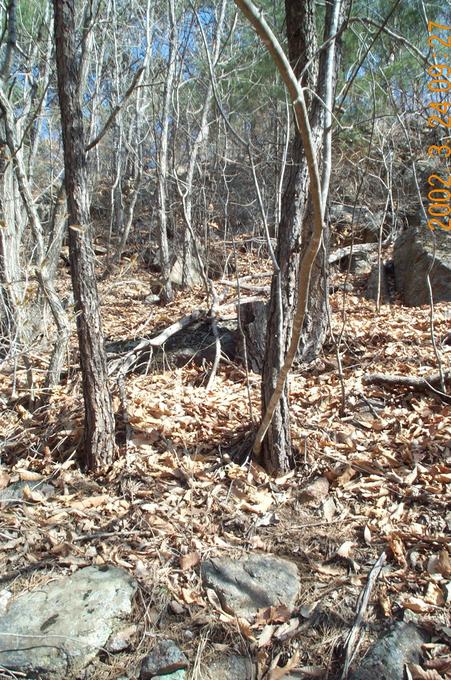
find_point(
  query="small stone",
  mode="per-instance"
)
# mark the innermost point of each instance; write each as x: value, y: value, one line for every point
x: 255, y: 582
x: 176, y: 607
x: 176, y: 675
x: 316, y: 491
x: 230, y: 668
x: 121, y: 640
x: 164, y: 658
x: 152, y: 299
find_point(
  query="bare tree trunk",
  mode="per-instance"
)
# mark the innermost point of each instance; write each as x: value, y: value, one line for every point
x: 99, y: 441
x: 166, y: 293
x: 294, y: 291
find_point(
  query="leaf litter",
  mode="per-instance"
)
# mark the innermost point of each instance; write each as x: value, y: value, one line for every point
x: 376, y: 479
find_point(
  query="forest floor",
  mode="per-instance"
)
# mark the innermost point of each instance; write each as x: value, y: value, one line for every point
x: 174, y: 496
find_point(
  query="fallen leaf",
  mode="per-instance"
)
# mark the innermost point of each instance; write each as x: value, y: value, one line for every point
x: 287, y: 630
x: 90, y: 502
x: 418, y: 673
x: 315, y: 491
x: 416, y: 604
x: 329, y: 509
x: 265, y: 636
x: 345, y: 549
x: 277, y: 614
x: 280, y: 671
x: 29, y: 476
x: 189, y: 561
x: 440, y: 564
x: 434, y: 595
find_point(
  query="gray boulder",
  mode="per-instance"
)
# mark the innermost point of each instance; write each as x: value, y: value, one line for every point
x: 363, y: 222
x: 373, y: 283
x: 387, y: 658
x: 57, y: 630
x: 255, y: 582
x: 413, y: 258
x: 13, y: 493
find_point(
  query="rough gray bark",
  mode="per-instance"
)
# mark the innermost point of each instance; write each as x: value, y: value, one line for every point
x: 298, y: 292
x: 99, y: 442
x: 166, y: 293
x: 293, y: 235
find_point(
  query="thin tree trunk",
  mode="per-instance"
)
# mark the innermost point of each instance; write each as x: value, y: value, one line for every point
x: 99, y: 441
x: 300, y: 234
x: 167, y: 292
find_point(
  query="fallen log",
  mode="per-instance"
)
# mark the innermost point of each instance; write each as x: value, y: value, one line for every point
x: 339, y: 254
x: 430, y: 383
x: 126, y: 362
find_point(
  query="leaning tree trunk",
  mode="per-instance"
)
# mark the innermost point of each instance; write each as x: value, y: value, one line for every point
x: 99, y: 442
x: 167, y: 293
x: 298, y: 300
x: 293, y: 237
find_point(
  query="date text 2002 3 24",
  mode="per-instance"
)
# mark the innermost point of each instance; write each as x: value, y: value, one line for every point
x: 439, y: 85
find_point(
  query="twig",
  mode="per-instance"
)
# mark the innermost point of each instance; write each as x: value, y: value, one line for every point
x: 353, y: 639
x: 24, y: 570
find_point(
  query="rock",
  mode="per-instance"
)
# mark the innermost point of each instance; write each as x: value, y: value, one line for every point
x: 57, y: 630
x: 152, y: 299
x: 246, y: 585
x: 176, y: 675
x: 372, y: 285
x: 316, y: 491
x: 14, y: 492
x: 121, y: 639
x: 360, y: 263
x: 164, y: 658
x: 364, y: 223
x: 387, y: 658
x: 413, y: 256
x: 230, y: 668
x: 194, y: 275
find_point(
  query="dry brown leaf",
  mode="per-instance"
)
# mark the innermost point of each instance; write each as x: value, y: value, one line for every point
x: 189, y: 561
x: 440, y: 564
x: 277, y: 614
x: 418, y: 673
x: 434, y: 595
x: 345, y: 549
x: 416, y: 604
x: 329, y: 509
x: 34, y: 496
x: 397, y: 547
x: 385, y: 603
x: 280, y: 671
x: 29, y: 476
x: 287, y: 630
x: 316, y: 491
x: 265, y: 636
x: 89, y: 502
x: 191, y: 597
x: 4, y: 479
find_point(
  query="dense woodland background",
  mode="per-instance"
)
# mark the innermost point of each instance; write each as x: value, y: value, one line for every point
x: 156, y: 209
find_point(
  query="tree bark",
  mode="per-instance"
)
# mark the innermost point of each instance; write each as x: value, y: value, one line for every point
x: 294, y: 234
x: 99, y: 441
x: 298, y: 292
